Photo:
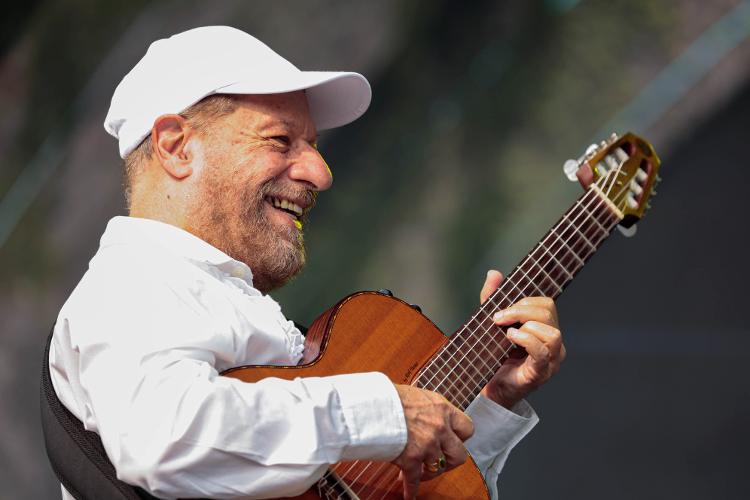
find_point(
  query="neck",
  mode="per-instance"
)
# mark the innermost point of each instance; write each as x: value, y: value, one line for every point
x: 475, y: 351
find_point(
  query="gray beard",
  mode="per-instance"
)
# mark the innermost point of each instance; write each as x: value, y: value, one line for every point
x: 275, y: 255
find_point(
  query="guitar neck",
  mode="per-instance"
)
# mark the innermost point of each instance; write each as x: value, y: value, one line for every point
x: 475, y: 351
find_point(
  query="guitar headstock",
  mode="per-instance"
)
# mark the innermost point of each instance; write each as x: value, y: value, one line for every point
x: 624, y: 169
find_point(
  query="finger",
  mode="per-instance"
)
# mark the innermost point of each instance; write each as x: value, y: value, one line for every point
x: 548, y: 335
x: 545, y: 302
x: 494, y: 278
x: 429, y: 469
x: 454, y: 452
x: 521, y: 313
x: 537, y: 301
x: 461, y: 424
x: 536, y: 349
x: 411, y: 481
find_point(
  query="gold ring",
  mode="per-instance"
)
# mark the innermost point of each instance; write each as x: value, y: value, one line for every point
x: 437, y: 465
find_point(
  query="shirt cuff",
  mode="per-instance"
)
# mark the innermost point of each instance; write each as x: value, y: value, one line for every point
x: 497, y: 429
x: 373, y: 415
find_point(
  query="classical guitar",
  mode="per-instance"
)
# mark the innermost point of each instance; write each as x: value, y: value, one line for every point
x: 371, y: 331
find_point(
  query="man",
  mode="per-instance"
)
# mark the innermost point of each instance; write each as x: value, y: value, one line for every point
x: 219, y: 135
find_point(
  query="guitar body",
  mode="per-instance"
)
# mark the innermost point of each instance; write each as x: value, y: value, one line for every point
x: 366, y: 332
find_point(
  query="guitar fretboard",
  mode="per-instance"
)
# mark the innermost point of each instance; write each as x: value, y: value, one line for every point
x: 464, y: 366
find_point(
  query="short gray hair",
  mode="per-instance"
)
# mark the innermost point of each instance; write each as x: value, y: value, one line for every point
x: 198, y: 116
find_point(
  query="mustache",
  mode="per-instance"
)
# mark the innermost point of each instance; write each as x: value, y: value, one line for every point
x: 306, y: 198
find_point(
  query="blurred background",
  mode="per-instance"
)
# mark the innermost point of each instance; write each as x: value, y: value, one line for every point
x: 455, y: 169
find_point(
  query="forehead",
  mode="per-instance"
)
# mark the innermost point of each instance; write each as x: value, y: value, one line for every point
x: 288, y: 110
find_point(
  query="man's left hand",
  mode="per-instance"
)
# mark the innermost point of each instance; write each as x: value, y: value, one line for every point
x: 539, y: 334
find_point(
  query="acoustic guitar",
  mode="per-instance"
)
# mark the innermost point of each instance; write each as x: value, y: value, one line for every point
x: 372, y: 331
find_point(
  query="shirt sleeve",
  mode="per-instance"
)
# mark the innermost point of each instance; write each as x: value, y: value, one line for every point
x: 496, y: 431
x: 147, y: 383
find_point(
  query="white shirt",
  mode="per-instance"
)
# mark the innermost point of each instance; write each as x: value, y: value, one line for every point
x: 136, y: 356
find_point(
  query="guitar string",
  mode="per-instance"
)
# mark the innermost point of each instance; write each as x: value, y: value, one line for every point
x: 558, y: 261
x: 460, y: 392
x: 558, y: 275
x: 606, y: 233
x: 527, y: 289
x: 535, y: 261
x: 511, y: 279
x: 491, y: 302
x: 614, y: 178
x: 578, y: 216
x: 570, y: 252
x: 560, y: 267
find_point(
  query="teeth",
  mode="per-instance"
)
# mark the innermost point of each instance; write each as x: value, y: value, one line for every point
x: 286, y: 205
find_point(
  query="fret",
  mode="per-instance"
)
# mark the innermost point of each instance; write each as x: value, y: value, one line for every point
x: 483, y: 347
x: 567, y: 247
x: 555, y: 277
x: 458, y: 395
x: 596, y: 235
x: 536, y: 264
x: 447, y: 374
x: 572, y: 233
x: 441, y: 373
x: 467, y: 356
x: 591, y: 217
x: 474, y: 323
x: 497, y: 343
x: 513, y: 284
x: 531, y: 282
x: 577, y: 230
x: 465, y: 366
x: 559, y: 264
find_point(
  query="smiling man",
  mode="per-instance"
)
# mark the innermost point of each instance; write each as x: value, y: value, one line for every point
x: 218, y: 134
x: 270, y: 174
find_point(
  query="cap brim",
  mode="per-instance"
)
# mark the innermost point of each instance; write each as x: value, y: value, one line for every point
x: 335, y: 97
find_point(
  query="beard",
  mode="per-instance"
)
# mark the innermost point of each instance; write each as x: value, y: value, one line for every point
x: 236, y: 222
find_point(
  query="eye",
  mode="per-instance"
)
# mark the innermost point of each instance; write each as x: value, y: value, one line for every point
x: 283, y: 139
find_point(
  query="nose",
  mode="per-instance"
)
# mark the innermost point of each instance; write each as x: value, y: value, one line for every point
x: 310, y: 168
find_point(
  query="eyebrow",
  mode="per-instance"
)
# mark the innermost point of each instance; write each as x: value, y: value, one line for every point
x: 290, y: 126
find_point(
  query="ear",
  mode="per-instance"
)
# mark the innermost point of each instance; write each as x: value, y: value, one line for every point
x: 170, y: 136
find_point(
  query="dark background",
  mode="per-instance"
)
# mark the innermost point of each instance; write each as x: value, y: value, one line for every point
x: 455, y: 168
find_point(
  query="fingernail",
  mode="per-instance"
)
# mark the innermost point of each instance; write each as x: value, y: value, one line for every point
x: 512, y: 332
x: 498, y: 316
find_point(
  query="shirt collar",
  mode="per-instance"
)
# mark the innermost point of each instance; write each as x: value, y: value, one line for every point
x: 134, y: 230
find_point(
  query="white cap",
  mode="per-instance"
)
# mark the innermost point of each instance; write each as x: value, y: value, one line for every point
x: 179, y: 71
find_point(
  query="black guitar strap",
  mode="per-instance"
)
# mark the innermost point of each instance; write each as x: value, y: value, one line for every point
x: 77, y: 455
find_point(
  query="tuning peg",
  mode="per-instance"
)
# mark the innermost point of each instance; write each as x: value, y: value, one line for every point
x: 628, y: 232
x: 591, y: 150
x: 570, y: 167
